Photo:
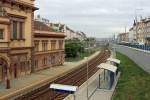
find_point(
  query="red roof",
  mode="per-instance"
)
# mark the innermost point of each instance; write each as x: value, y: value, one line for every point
x: 41, y: 26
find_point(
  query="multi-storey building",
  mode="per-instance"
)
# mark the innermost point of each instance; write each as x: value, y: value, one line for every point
x: 140, y: 34
x: 123, y: 38
x: 16, y: 21
x: 131, y: 35
x: 69, y: 33
x: 147, y: 31
x: 81, y: 36
x: 49, y: 46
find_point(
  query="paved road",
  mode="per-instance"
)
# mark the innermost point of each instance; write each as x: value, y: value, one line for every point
x: 140, y: 57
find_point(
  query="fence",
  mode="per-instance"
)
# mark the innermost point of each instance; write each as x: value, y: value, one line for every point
x: 140, y: 57
x: 143, y: 47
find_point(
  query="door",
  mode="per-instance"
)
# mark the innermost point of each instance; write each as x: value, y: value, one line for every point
x: 15, y: 70
x: 1, y: 72
x: 3, y: 69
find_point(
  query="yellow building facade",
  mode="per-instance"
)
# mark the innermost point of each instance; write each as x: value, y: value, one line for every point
x: 48, y: 47
x: 16, y: 38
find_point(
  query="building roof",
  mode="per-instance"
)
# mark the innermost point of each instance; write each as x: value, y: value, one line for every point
x: 109, y: 67
x: 43, y: 30
x: 22, y: 3
x: 123, y: 33
x: 43, y: 34
x: 114, y: 60
x: 131, y: 29
x: 62, y: 27
x: 41, y: 26
x: 64, y: 87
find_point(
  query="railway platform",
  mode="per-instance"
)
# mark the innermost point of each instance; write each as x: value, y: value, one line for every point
x: 29, y: 82
x: 92, y: 86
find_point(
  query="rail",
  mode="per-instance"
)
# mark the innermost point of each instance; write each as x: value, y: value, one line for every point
x: 76, y: 77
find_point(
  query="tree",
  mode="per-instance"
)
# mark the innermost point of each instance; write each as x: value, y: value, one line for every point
x: 73, y: 48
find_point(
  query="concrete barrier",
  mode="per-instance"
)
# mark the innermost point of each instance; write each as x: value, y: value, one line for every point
x: 140, y: 57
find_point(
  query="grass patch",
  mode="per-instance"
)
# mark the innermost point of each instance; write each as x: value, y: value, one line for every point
x: 134, y: 83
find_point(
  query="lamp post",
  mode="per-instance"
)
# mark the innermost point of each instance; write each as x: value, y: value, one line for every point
x: 87, y: 71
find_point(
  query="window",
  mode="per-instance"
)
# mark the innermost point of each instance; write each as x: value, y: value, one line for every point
x: 36, y: 63
x: 20, y: 30
x: 1, y: 33
x: 44, y: 45
x: 17, y: 28
x: 61, y: 44
x: 53, y: 44
x: 44, y: 61
x: 49, y: 60
x: 14, y: 30
x: 28, y: 66
x: 2, y: 11
x: 22, y: 65
x: 53, y: 60
x: 36, y: 44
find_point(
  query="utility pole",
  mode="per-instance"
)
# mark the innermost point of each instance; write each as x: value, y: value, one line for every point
x: 87, y: 80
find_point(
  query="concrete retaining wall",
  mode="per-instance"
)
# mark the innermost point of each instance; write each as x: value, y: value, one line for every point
x: 140, y: 57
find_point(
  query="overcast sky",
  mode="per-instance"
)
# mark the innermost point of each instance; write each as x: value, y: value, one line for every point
x: 98, y: 18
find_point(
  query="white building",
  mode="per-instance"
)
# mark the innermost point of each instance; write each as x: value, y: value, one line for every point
x: 58, y: 27
x: 132, y: 35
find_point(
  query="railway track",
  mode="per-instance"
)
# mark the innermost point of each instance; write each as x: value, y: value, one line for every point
x: 76, y: 77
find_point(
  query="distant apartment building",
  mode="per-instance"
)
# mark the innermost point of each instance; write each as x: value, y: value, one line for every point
x: 131, y: 35
x: 58, y: 27
x: 16, y: 22
x: 48, y: 46
x: 123, y: 38
x: 70, y: 33
x: 140, y: 32
x: 147, y: 31
x: 81, y: 36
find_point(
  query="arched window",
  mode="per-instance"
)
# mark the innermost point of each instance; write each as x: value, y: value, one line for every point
x: 3, y: 11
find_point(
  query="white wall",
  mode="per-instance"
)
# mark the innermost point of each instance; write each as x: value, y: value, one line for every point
x: 131, y: 36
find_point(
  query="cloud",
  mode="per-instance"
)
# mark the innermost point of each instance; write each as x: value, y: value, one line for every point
x: 96, y: 17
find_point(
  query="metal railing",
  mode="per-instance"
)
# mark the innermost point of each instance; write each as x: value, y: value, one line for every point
x: 142, y: 47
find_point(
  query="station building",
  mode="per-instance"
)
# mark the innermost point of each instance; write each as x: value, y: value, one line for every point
x: 26, y: 45
x: 16, y: 22
x: 48, y: 46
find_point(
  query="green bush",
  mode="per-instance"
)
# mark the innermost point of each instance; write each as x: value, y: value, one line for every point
x: 73, y: 48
